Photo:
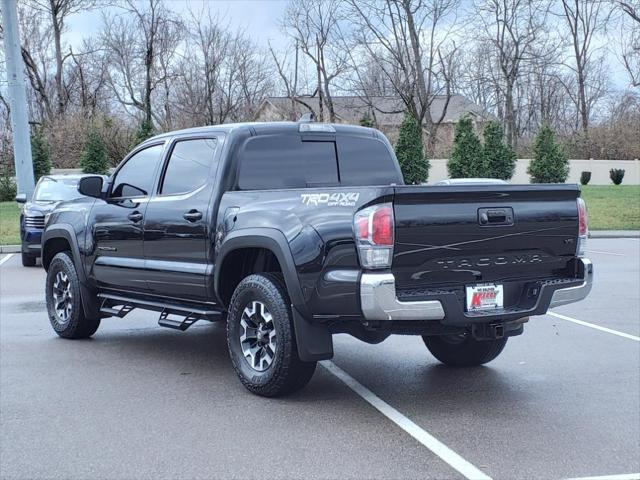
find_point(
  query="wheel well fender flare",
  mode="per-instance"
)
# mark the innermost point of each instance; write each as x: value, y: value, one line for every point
x: 270, y: 239
x: 66, y: 232
x: 314, y: 342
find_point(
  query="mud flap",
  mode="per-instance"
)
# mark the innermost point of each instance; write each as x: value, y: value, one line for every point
x: 314, y: 341
x: 90, y: 302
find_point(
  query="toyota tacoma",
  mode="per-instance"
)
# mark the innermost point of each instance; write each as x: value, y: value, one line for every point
x: 293, y: 232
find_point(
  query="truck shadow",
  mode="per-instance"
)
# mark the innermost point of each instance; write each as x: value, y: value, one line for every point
x: 202, y: 352
x: 199, y: 352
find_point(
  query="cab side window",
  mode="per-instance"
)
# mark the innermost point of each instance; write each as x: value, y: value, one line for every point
x: 135, y: 178
x: 189, y: 166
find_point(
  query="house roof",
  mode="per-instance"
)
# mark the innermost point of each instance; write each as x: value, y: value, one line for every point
x: 388, y: 110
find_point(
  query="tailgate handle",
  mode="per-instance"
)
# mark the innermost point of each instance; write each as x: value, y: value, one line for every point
x: 495, y: 216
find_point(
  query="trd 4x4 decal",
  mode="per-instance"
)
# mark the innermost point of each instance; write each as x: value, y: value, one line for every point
x: 337, y: 199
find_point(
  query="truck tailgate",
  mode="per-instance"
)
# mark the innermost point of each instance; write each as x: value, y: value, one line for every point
x: 461, y: 235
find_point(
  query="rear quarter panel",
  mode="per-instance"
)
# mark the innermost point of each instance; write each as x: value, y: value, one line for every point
x: 317, y: 223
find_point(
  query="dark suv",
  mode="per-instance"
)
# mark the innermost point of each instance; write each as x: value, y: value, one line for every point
x: 50, y: 191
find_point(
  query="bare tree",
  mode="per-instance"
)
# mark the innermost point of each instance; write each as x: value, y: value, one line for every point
x: 477, y: 79
x: 584, y: 19
x: 55, y: 86
x: 369, y: 84
x: 631, y: 8
x: 210, y: 42
x: 136, y: 41
x: 512, y: 27
x: 58, y: 12
x: 548, y: 98
x: 630, y: 39
x: 87, y: 78
x: 314, y: 24
x: 253, y: 76
x: 287, y: 66
x: 222, y: 74
x: 408, y: 41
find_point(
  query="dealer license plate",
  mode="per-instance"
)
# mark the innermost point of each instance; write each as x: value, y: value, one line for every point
x: 484, y: 297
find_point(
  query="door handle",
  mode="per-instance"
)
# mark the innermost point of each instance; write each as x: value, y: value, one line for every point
x: 192, y: 215
x: 135, y: 216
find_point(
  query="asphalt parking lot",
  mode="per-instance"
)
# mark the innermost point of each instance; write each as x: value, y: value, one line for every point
x: 141, y: 401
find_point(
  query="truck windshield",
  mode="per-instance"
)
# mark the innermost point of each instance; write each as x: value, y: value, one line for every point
x: 56, y: 189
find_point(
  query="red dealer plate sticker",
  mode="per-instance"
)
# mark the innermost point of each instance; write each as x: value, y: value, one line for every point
x: 484, y: 297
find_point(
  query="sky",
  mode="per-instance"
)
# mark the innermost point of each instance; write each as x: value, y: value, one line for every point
x: 258, y: 17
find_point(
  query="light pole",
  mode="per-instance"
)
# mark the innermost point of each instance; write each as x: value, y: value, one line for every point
x: 17, y: 99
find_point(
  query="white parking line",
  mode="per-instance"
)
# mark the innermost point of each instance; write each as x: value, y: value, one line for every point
x: 595, y: 327
x: 607, y: 253
x: 624, y: 476
x: 425, y: 438
x: 2, y: 260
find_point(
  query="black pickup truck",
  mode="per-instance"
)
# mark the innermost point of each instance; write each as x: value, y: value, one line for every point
x: 292, y: 232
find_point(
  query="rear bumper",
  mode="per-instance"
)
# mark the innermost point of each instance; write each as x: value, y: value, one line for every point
x: 379, y: 301
x: 563, y: 296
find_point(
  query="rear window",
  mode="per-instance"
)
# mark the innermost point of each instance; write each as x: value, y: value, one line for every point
x: 285, y: 161
x: 366, y: 161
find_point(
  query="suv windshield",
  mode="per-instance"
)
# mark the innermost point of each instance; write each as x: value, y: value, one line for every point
x: 56, y: 190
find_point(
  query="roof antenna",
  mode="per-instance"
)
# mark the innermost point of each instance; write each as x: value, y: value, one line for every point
x: 307, y: 117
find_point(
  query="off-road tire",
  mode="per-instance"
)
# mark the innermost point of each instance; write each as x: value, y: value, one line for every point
x: 78, y: 324
x: 287, y: 373
x: 463, y: 351
x: 28, y: 260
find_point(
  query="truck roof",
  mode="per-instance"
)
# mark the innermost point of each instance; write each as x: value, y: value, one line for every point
x: 263, y: 127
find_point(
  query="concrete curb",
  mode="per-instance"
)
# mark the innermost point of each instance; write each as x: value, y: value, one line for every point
x: 615, y: 234
x: 9, y: 248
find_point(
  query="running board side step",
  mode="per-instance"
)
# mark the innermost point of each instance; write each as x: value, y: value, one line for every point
x: 183, y: 315
x: 177, y: 324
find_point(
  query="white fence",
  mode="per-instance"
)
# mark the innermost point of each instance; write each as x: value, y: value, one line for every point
x: 599, y: 171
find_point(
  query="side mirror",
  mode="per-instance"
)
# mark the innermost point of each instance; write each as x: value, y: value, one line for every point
x: 21, y: 198
x: 91, y: 186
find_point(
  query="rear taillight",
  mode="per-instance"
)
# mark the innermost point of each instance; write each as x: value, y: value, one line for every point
x: 583, y: 228
x: 373, y: 228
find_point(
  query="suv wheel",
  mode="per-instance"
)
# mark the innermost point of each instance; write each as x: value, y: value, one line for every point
x: 28, y: 260
x: 64, y: 303
x: 463, y: 350
x: 261, y: 339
